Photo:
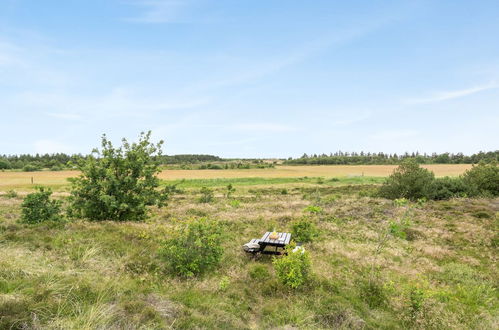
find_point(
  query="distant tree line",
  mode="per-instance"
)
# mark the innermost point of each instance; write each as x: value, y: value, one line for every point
x: 368, y: 158
x: 62, y: 161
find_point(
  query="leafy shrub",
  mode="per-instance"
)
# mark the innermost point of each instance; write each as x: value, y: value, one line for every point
x: 304, y: 230
x: 284, y: 191
x: 193, y: 249
x: 482, y: 179
x: 38, y: 207
x: 446, y: 188
x: 206, y: 195
x: 118, y: 183
x: 293, y: 269
x: 407, y: 181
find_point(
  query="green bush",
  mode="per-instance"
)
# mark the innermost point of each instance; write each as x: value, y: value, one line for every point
x: 482, y: 179
x: 446, y: 188
x: 304, y: 230
x: 206, y: 195
x: 39, y: 207
x: 313, y: 209
x: 118, y: 183
x: 194, y: 249
x: 293, y: 269
x: 407, y: 181
x: 30, y: 168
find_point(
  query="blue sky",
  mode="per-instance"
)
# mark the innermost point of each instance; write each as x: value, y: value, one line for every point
x: 249, y: 78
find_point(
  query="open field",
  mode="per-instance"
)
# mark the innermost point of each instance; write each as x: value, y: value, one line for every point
x: 58, y: 179
x: 85, y: 275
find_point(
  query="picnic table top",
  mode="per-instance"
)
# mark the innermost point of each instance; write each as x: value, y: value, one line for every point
x: 284, y: 239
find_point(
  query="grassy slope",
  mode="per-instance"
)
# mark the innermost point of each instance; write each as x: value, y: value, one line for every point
x: 87, y: 275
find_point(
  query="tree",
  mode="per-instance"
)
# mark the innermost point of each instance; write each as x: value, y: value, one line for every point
x: 118, y: 183
x: 408, y: 181
x: 483, y: 179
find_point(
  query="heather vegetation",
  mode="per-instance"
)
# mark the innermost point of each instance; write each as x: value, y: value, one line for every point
x: 415, y: 252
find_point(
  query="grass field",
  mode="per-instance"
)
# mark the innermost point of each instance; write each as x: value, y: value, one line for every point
x: 58, y: 180
x: 442, y: 274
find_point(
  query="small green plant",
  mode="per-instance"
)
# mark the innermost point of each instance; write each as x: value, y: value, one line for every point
x: 206, y: 195
x: 235, y: 203
x: 304, y: 230
x: 284, y: 191
x: 39, y: 207
x: 293, y: 269
x: 230, y: 190
x: 193, y: 249
x: 313, y: 209
x: 224, y: 283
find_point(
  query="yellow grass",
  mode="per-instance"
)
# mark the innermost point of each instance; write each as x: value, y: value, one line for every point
x: 20, y: 180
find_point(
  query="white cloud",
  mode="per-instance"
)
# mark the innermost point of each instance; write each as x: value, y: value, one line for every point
x: 48, y: 146
x: 449, y: 95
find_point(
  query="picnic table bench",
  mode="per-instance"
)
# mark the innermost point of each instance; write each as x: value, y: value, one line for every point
x: 258, y: 245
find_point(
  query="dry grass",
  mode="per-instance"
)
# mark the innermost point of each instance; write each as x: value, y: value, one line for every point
x: 58, y: 179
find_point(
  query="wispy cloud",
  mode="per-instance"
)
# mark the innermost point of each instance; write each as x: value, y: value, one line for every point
x: 159, y: 11
x: 449, y: 95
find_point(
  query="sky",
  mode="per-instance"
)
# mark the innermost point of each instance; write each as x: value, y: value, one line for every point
x: 250, y: 78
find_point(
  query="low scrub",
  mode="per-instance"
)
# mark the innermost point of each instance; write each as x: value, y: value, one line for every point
x: 39, y: 207
x: 304, y: 230
x: 293, y: 269
x: 413, y: 182
x: 194, y: 249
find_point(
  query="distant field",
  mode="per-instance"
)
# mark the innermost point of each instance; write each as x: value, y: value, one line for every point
x: 58, y: 179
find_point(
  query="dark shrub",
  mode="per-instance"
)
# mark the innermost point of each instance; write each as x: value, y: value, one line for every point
x: 482, y: 179
x: 407, y: 181
x: 118, y: 183
x: 446, y: 188
x: 194, y: 249
x: 38, y: 207
x: 30, y: 168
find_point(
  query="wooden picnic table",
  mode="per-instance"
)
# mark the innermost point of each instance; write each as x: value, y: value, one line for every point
x: 262, y: 243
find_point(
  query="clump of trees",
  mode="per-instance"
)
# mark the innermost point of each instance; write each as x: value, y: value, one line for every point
x: 411, y: 181
x: 380, y: 158
x: 118, y: 183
